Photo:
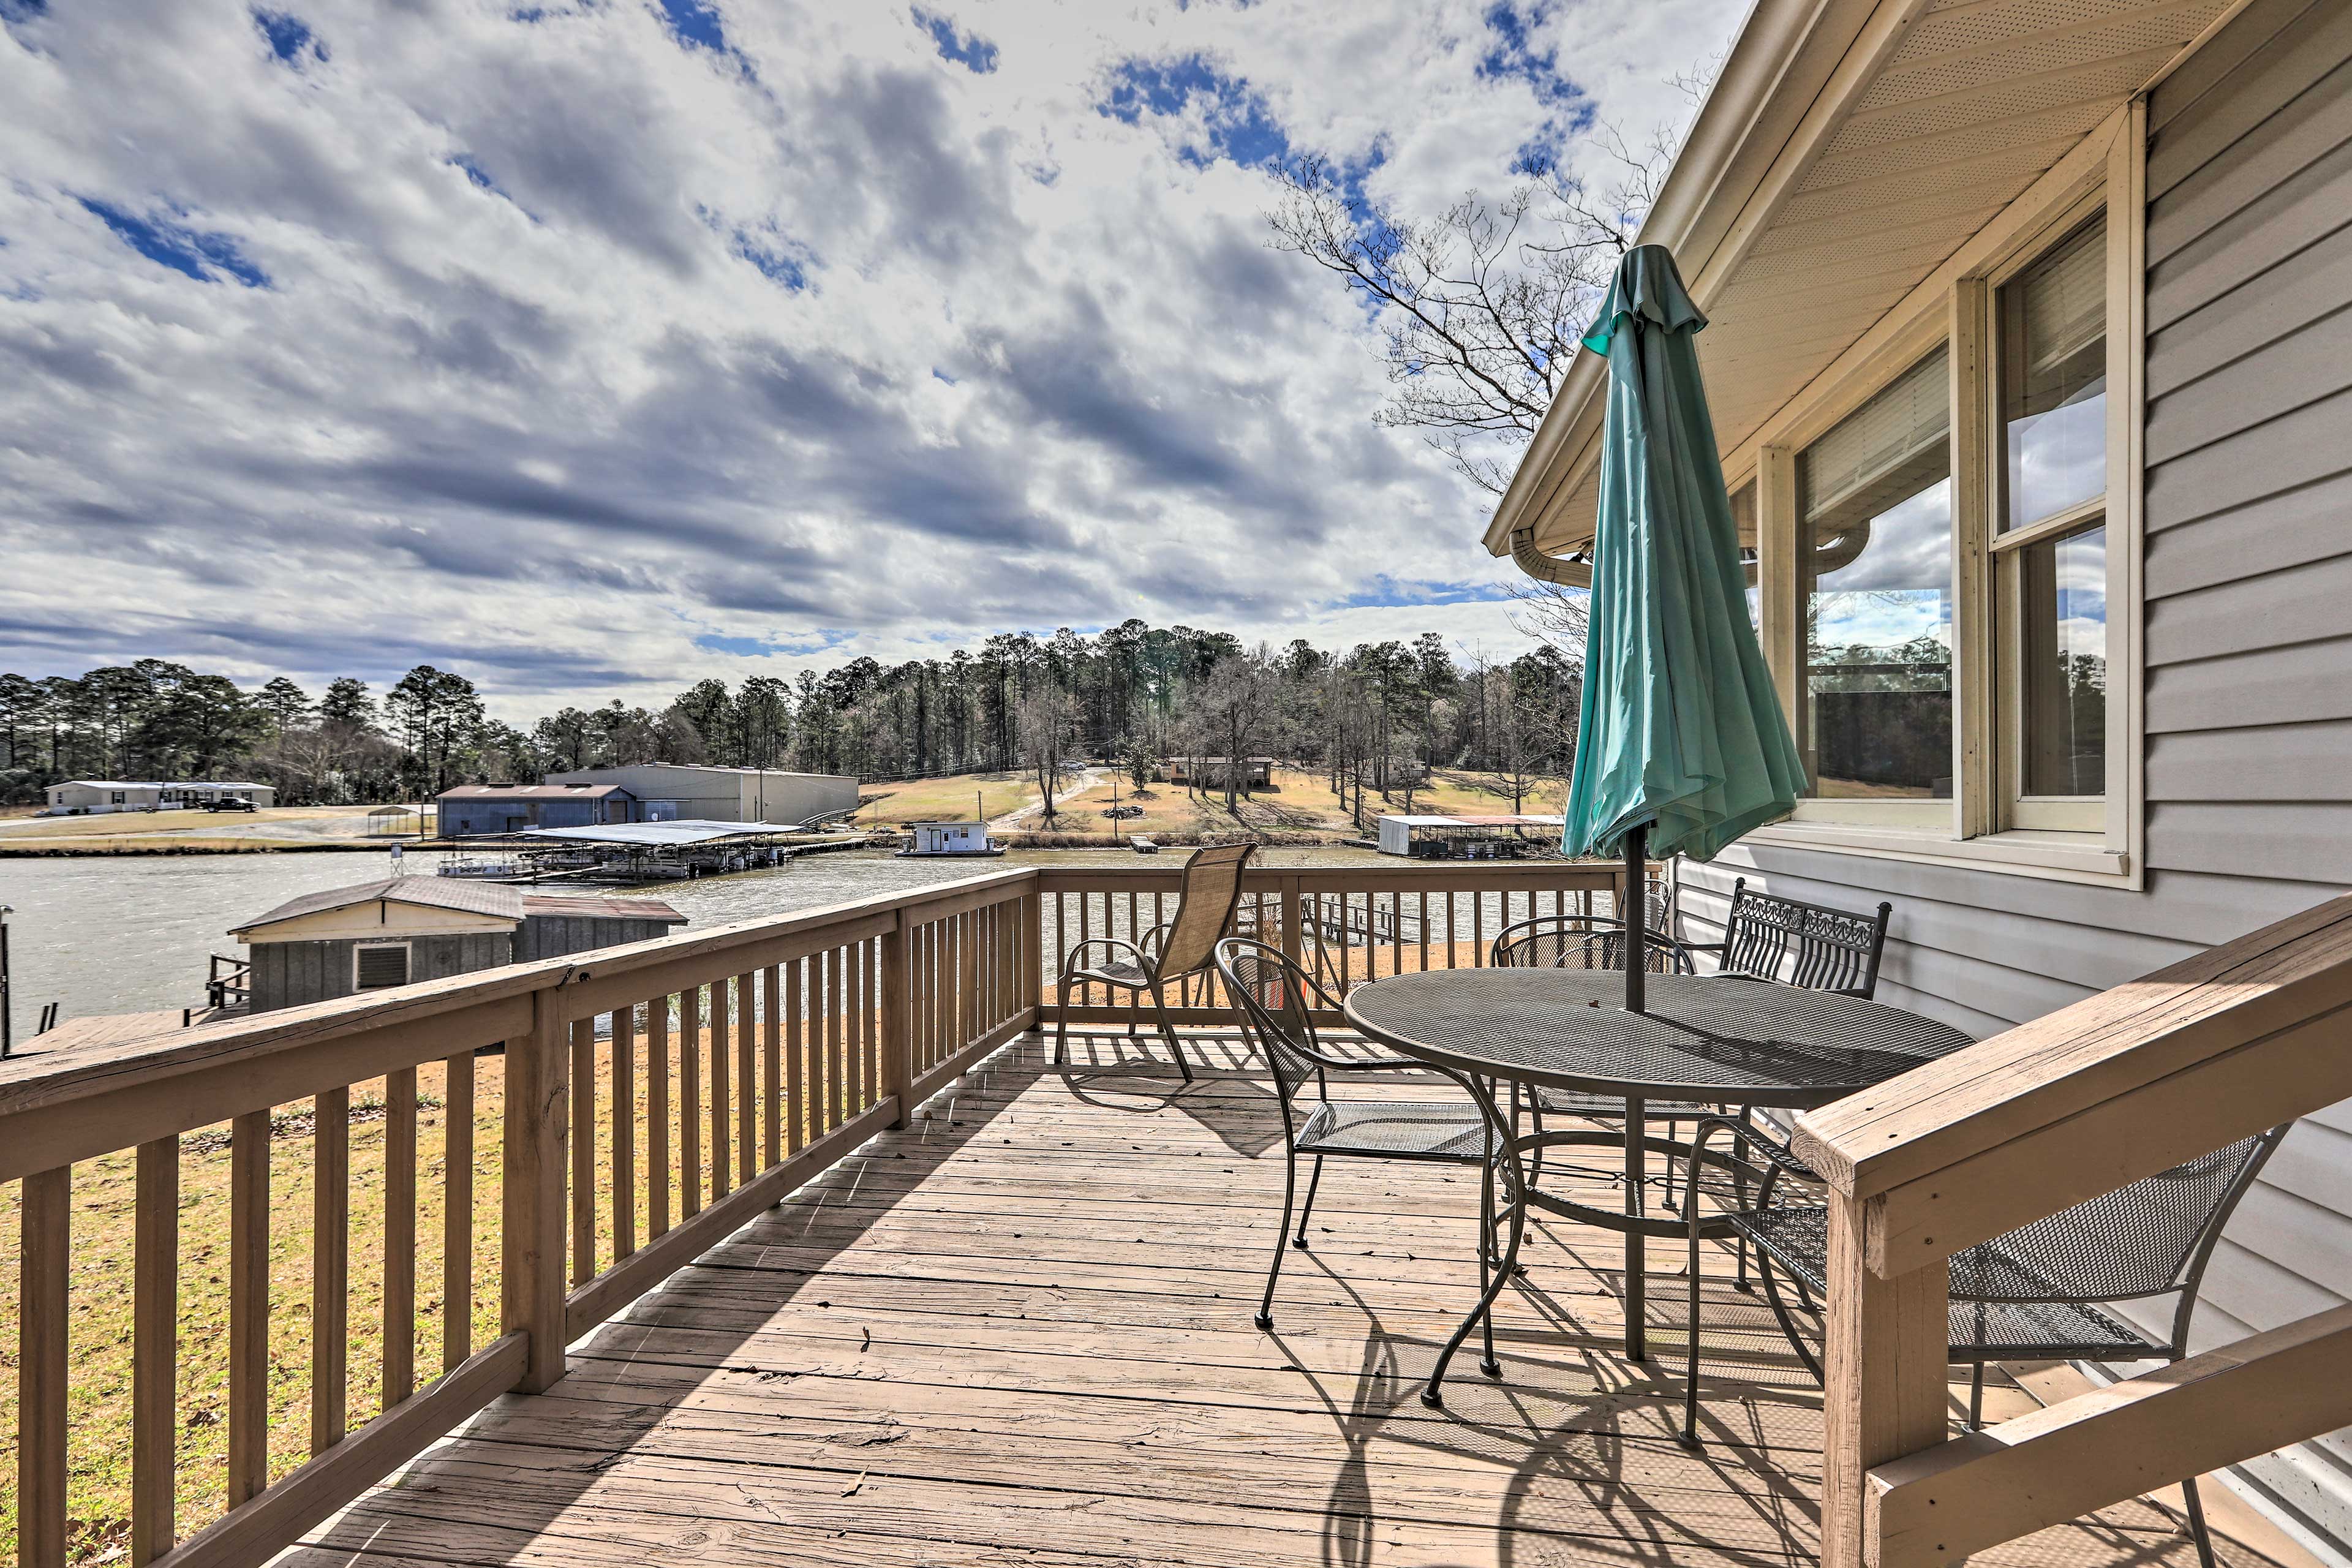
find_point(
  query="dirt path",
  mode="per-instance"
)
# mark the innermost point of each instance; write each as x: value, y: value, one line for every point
x: 1087, y: 779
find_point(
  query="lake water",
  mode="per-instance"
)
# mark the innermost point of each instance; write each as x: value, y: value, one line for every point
x: 129, y: 933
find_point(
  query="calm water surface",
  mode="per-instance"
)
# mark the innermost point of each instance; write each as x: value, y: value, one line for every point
x: 131, y: 933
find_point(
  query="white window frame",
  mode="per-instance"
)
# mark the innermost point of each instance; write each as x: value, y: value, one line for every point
x: 407, y: 967
x: 1985, y: 825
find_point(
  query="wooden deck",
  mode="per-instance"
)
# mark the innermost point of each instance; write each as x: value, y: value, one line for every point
x: 1019, y: 1332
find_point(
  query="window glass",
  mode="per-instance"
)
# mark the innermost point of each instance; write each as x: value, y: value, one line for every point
x: 2054, y: 380
x: 2062, y: 609
x: 1874, y: 584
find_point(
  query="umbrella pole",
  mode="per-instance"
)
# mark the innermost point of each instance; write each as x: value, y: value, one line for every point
x: 1637, y: 916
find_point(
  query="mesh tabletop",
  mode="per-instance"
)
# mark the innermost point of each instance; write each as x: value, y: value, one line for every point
x: 1703, y: 1037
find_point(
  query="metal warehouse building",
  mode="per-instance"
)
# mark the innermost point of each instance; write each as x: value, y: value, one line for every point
x: 670, y: 792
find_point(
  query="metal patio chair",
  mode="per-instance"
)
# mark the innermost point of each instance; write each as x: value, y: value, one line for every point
x: 1766, y: 937
x: 1185, y: 947
x: 1271, y: 998
x: 2036, y: 1293
x: 1592, y: 943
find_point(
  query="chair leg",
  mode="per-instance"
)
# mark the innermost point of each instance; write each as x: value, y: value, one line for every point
x: 1314, y: 1180
x: 1061, y: 1019
x: 1134, y: 1011
x: 2197, y: 1532
x: 1167, y: 1033
x: 1739, y: 1190
x: 1976, y: 1396
x: 1690, y: 1361
x: 1273, y: 1270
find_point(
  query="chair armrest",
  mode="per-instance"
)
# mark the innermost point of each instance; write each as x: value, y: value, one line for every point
x: 1070, y: 964
x: 1714, y: 947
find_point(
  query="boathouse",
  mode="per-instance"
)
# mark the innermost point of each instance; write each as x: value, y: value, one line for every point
x: 469, y: 810
x: 398, y: 929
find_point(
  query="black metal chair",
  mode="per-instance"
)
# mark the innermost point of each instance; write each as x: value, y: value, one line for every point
x: 1273, y: 999
x: 2035, y: 1293
x: 1589, y: 943
x: 1766, y: 937
x: 1210, y: 893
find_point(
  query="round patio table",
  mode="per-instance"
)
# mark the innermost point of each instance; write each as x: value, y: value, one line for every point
x: 1715, y: 1040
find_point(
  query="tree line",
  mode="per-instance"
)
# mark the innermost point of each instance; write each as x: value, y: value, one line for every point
x: 1374, y: 718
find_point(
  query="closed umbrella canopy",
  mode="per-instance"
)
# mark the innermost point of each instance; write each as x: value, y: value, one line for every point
x: 1681, y: 731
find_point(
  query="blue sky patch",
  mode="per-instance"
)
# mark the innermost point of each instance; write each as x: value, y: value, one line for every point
x: 1239, y: 128
x: 779, y: 261
x: 199, y: 255
x: 822, y: 641
x: 290, y: 38
x: 695, y: 23
x: 1512, y: 56
x: 966, y: 49
x: 1385, y: 589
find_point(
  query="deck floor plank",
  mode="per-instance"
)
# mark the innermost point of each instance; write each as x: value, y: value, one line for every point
x: 1019, y: 1332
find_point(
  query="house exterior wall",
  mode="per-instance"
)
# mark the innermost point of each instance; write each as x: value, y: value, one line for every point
x: 2247, y: 653
x: 463, y: 815
x: 289, y: 973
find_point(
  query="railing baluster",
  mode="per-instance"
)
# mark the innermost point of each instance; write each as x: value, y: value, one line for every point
x: 154, y: 1349
x: 457, y: 1212
x: 824, y: 997
x: 658, y: 1163
x: 399, y: 1235
x: 45, y: 1218
x: 584, y: 1149
x: 331, y: 1261
x: 721, y: 1047
x: 624, y: 1132
x: 771, y: 1081
x: 689, y: 1102
x: 747, y: 1078
x: 798, y: 1095
x: 249, y: 1306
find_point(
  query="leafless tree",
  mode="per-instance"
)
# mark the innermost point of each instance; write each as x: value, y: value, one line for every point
x: 1048, y: 728
x: 1235, y: 706
x: 1481, y: 307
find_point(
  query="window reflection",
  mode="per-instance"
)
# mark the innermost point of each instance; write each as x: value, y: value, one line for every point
x: 2064, y: 610
x: 1874, y: 504
x: 2054, y: 380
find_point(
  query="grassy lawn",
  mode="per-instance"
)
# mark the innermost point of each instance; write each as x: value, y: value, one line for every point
x: 1300, y: 802
x: 100, y: 1341
x: 948, y: 799
x: 138, y: 824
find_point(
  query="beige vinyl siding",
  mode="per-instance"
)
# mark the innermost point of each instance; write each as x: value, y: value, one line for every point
x: 2248, y: 650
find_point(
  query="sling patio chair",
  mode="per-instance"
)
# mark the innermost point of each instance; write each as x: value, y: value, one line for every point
x: 1273, y: 999
x: 2041, y: 1292
x: 1165, y: 955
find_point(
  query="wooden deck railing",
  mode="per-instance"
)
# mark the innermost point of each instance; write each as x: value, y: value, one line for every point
x: 2118, y: 1086
x: 639, y: 1105
x: 648, y: 1101
x: 1344, y: 924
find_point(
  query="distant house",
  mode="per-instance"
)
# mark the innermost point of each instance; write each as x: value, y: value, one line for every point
x: 92, y: 797
x: 1441, y: 838
x: 1208, y: 773
x: 399, y: 930
x: 671, y: 791
x: 472, y: 809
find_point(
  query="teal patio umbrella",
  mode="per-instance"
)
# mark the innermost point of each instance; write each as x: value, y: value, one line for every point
x: 1681, y: 744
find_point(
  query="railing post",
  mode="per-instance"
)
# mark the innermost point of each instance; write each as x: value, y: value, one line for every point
x: 898, y: 1036
x: 1293, y: 913
x: 1884, y: 1373
x: 46, y: 1216
x: 532, y: 1238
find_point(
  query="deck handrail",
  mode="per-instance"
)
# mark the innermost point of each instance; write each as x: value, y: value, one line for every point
x: 2080, y: 1102
x: 831, y: 1024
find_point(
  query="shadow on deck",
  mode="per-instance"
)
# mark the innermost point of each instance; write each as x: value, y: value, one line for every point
x: 1019, y: 1332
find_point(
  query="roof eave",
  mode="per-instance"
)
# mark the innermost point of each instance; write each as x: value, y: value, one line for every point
x: 1755, y: 106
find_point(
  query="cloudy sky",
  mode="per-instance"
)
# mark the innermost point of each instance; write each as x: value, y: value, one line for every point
x: 593, y: 348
